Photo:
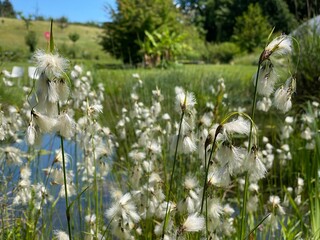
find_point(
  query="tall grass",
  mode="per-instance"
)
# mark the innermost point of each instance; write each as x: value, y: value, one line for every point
x: 156, y: 165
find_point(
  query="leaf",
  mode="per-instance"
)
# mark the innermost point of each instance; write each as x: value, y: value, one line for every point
x: 151, y: 38
x: 51, y: 38
x: 77, y: 198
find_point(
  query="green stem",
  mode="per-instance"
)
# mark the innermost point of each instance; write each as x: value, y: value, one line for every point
x: 246, y: 186
x: 207, y: 164
x: 171, y: 177
x: 65, y: 182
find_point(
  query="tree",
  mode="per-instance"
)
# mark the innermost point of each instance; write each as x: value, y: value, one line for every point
x: 6, y: 9
x: 27, y: 20
x: 62, y: 22
x: 161, y: 47
x: 279, y: 15
x: 74, y: 37
x: 131, y: 20
x: 31, y: 40
x: 217, y: 18
x: 251, y: 29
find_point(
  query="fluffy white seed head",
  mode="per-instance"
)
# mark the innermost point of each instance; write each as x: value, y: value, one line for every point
x: 53, y: 65
x: 193, y: 223
x: 60, y: 235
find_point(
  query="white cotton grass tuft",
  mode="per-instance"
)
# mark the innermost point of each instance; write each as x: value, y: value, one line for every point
x: 194, y: 223
x: 240, y: 126
x: 264, y: 104
x: 125, y: 209
x: 275, y: 204
x: 32, y: 134
x: 188, y: 144
x: 266, y: 79
x: 231, y: 156
x: 215, y: 208
x: 219, y: 176
x: 65, y: 125
x: 255, y: 167
x: 190, y: 182
x: 281, y: 45
x: 185, y: 101
x: 59, y: 157
x: 90, y: 219
x: 53, y: 65
x: 63, y: 90
x: 45, y: 124
x: 282, y: 97
x: 60, y: 235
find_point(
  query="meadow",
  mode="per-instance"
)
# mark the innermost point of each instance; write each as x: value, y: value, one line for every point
x: 189, y: 152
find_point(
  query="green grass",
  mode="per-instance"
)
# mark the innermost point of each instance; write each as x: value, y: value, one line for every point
x: 13, y: 31
x: 194, y: 78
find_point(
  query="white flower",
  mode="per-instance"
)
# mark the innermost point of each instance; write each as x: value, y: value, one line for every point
x: 281, y: 45
x: 185, y: 101
x: 53, y: 65
x: 125, y: 209
x: 193, y: 223
x: 307, y: 134
x: 46, y: 124
x: 274, y: 202
x: 266, y: 79
x: 60, y: 235
x: 13, y: 155
x: 215, y: 208
x: 32, y: 134
x: 255, y: 166
x: 289, y: 119
x: 219, y: 176
x: 91, y: 219
x: 282, y: 97
x: 65, y: 125
x: 188, y: 145
x: 240, y: 126
x: 137, y: 155
x: 59, y: 158
x: 232, y: 156
x: 264, y: 104
x: 190, y: 183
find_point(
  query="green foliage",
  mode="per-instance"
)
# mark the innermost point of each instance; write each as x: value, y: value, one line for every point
x: 216, y: 18
x: 278, y: 15
x: 306, y: 58
x: 6, y: 9
x: 251, y: 29
x: 221, y: 53
x: 27, y: 20
x: 74, y: 37
x: 31, y: 40
x: 130, y: 22
x: 62, y: 22
x: 161, y: 47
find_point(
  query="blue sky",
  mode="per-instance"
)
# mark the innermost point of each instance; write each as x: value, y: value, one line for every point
x: 74, y: 10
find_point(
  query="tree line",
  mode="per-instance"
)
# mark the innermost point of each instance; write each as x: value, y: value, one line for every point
x: 140, y: 30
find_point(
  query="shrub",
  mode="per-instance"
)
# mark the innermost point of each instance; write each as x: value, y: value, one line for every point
x: 251, y: 29
x: 74, y: 37
x: 221, y: 53
x: 31, y: 40
x: 308, y: 74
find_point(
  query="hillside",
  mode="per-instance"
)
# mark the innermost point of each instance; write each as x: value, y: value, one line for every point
x: 13, y: 32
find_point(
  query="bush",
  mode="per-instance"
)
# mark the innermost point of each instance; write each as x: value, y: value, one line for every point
x: 11, y: 55
x: 251, y: 29
x: 308, y: 72
x: 221, y: 53
x: 31, y: 40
